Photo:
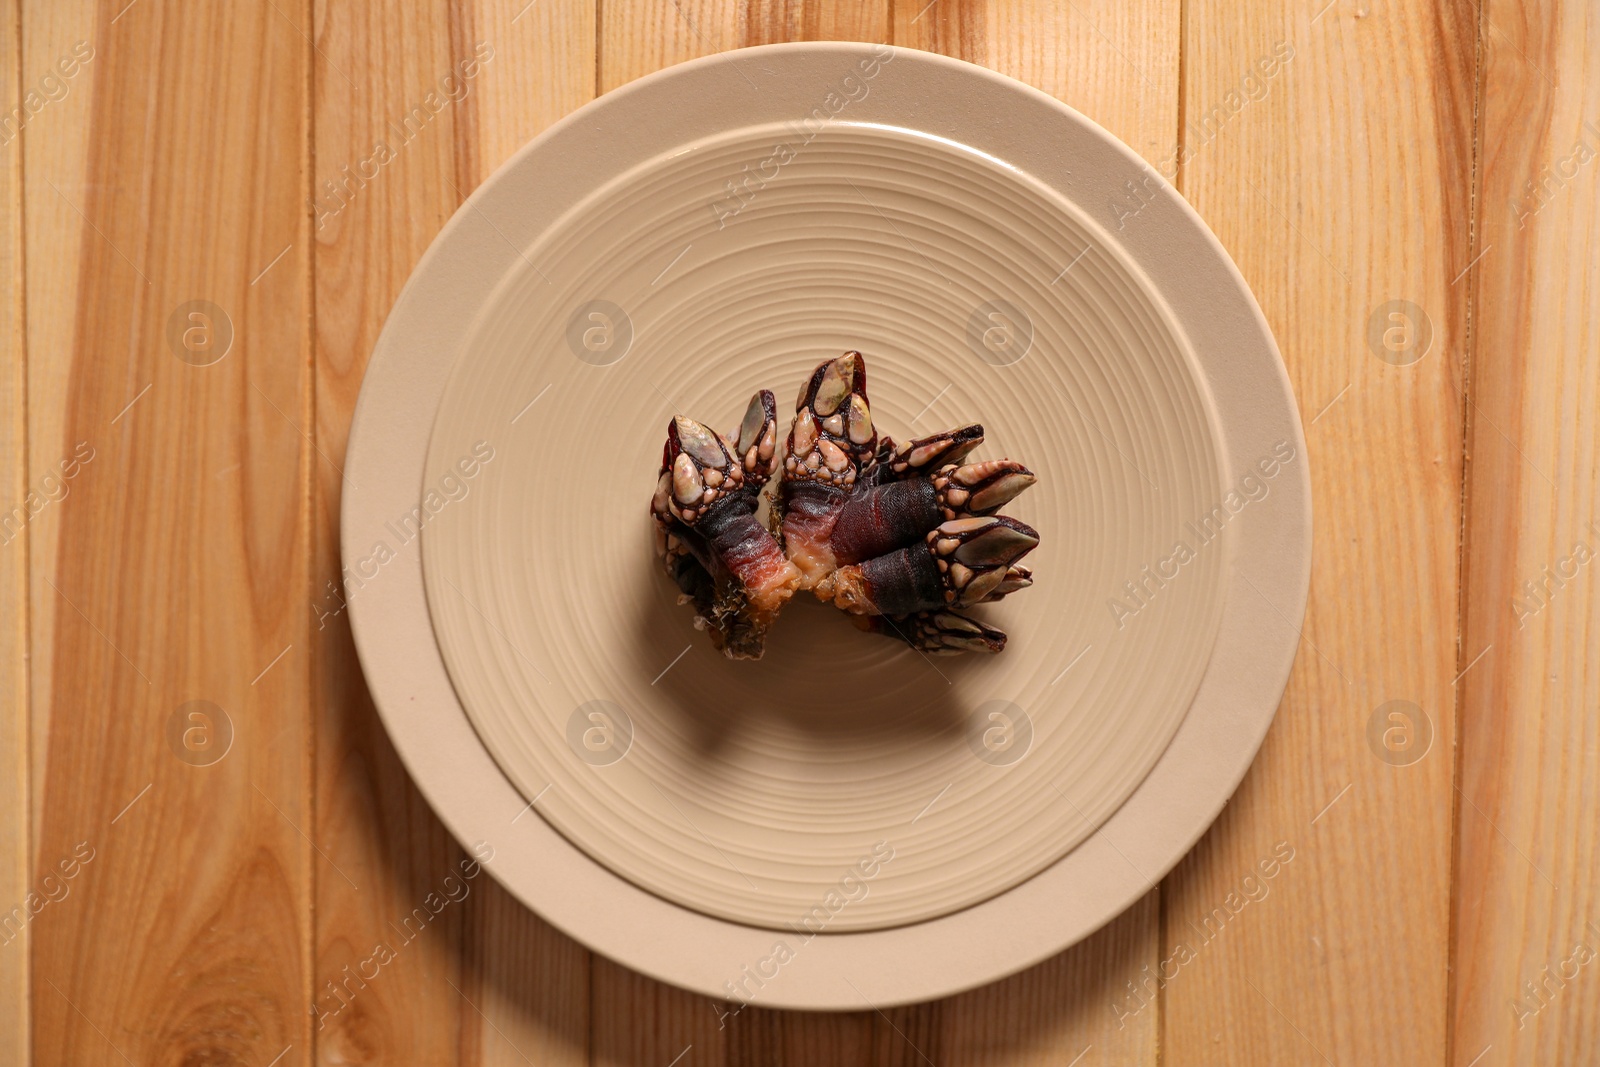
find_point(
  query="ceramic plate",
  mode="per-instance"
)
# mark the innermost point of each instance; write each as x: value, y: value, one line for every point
x: 846, y: 822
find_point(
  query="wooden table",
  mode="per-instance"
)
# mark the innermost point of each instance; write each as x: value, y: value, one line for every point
x: 1411, y: 191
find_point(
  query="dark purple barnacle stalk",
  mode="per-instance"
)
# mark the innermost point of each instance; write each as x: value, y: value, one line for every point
x: 723, y: 559
x: 905, y: 534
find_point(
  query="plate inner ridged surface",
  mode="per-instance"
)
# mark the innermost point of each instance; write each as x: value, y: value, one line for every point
x: 845, y: 782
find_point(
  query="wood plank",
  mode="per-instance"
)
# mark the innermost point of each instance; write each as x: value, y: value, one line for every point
x: 1118, y: 64
x: 176, y: 563
x: 647, y: 1022
x: 1339, y: 177
x: 640, y: 1021
x: 58, y: 144
x: 1527, y: 916
x: 486, y: 981
x: 772, y: 21
x: 1074, y: 1004
x: 638, y: 37
x: 15, y: 820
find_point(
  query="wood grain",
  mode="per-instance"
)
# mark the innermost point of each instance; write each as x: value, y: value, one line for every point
x: 389, y: 849
x: 175, y: 562
x: 1527, y: 914
x: 1118, y: 64
x: 638, y: 37
x: 53, y: 143
x: 639, y: 1021
x: 771, y: 21
x: 485, y: 981
x: 1341, y: 956
x: 636, y: 1020
x: 14, y: 760
x: 190, y: 558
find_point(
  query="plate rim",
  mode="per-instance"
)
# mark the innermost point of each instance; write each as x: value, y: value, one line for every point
x: 809, y: 983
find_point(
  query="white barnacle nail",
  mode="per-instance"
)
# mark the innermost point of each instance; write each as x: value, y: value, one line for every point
x: 813, y: 461
x: 805, y: 434
x: 951, y: 621
x: 970, y: 644
x: 946, y: 545
x: 959, y: 575
x: 973, y: 473
x: 1003, y: 489
x: 982, y: 585
x: 700, y: 443
x: 713, y: 477
x: 920, y: 456
x: 860, y: 421
x: 658, y: 503
x: 833, y: 455
x: 750, y: 429
x: 686, y: 483
x: 834, y: 424
x: 955, y: 497
x: 960, y: 526
x: 838, y: 381
x: 1001, y: 544
x: 768, y: 443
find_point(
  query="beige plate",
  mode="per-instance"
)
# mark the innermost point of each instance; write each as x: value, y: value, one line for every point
x: 846, y: 822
